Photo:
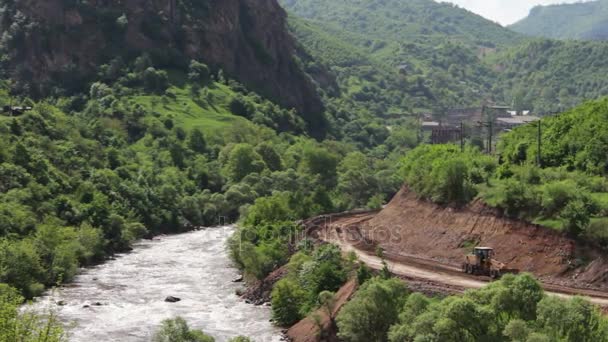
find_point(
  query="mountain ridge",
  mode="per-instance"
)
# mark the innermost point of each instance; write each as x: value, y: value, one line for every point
x: 583, y: 20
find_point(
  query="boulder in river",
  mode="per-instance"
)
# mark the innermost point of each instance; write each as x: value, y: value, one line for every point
x: 171, y: 299
x: 62, y: 303
x: 238, y: 279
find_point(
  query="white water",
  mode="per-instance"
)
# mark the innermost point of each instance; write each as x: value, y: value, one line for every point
x: 192, y: 266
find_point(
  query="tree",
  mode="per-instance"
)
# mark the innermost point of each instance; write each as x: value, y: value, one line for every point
x: 318, y: 161
x: 356, y: 179
x: 271, y: 157
x: 517, y: 330
x: 571, y: 320
x: 23, y: 325
x: 576, y: 217
x: 197, y: 142
x: 287, y: 298
x: 198, y: 72
x: 269, y: 209
x: 242, y: 161
x: 327, y: 299
x: 373, y: 309
x: 155, y: 80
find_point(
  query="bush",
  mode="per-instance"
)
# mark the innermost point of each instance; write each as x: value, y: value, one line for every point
x: 373, y: 309
x: 21, y: 325
x: 444, y: 175
x: 287, y: 298
x: 198, y: 72
x: 177, y: 330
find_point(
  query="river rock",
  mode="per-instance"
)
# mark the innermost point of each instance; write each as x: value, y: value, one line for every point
x: 62, y: 303
x: 238, y: 280
x: 171, y: 299
x: 97, y: 304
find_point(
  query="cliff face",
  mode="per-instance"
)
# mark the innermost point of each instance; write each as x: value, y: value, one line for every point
x: 50, y: 39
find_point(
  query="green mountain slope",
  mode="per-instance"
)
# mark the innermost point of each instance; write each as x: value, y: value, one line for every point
x: 586, y: 20
x: 404, y: 20
x: 431, y: 52
x: 444, y: 56
x: 550, y: 75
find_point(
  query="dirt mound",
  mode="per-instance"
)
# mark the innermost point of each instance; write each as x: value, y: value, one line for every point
x: 307, y: 330
x: 410, y: 227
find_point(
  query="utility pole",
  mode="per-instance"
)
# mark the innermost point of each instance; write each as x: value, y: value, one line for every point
x: 539, y: 153
x: 461, y: 137
x: 490, y: 133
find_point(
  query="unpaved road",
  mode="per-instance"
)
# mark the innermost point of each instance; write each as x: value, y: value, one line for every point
x: 412, y: 267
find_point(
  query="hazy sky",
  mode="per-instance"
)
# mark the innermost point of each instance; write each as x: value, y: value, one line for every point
x: 504, y: 11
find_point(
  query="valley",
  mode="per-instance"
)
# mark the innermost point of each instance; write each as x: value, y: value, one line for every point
x: 128, y: 126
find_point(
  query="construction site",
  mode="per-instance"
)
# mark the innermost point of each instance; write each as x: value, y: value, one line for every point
x: 428, y: 245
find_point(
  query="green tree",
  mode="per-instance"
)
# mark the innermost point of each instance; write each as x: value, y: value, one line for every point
x: 198, y: 72
x: 287, y: 297
x: 371, y: 312
x: 242, y: 161
x: 23, y: 325
x: 197, y: 141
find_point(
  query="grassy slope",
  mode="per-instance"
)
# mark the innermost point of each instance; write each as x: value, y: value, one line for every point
x: 210, y: 115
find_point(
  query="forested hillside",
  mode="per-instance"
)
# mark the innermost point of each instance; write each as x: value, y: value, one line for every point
x: 550, y: 75
x: 441, y: 56
x: 584, y: 20
x: 430, y: 51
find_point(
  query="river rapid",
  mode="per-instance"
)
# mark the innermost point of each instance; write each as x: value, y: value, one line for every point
x: 132, y: 290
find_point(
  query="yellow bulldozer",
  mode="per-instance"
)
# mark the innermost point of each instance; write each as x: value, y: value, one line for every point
x: 482, y: 262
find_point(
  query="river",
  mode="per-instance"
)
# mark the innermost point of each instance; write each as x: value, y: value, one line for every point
x: 131, y: 290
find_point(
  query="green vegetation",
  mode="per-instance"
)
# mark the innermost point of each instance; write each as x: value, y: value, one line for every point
x: 396, y: 57
x: 177, y: 330
x: 25, y: 326
x: 568, y: 193
x: 83, y: 177
x: 310, y: 275
x: 551, y: 76
x: 444, y: 175
x: 584, y: 20
x: 512, y: 309
x: 372, y: 311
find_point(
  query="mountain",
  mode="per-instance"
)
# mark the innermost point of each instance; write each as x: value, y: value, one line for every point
x: 441, y: 56
x: 583, y: 20
x: 62, y: 44
x: 430, y: 53
x: 403, y: 20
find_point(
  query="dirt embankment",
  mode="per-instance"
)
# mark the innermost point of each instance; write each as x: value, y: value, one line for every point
x: 411, y: 228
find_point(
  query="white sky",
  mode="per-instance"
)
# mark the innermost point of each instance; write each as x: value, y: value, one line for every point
x: 504, y: 11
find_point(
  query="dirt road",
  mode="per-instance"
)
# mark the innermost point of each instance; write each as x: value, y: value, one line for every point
x: 426, y: 270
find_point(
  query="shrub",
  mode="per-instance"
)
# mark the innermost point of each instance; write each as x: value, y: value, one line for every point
x: 373, y: 309
x: 177, y: 330
x: 287, y: 298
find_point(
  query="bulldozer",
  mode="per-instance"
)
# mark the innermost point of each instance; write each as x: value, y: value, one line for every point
x: 482, y: 262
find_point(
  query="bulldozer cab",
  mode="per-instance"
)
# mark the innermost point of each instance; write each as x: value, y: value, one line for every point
x: 484, y: 253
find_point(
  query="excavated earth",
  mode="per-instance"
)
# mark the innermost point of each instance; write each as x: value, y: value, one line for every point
x: 434, y: 237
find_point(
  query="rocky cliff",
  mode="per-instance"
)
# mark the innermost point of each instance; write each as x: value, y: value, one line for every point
x: 50, y: 42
